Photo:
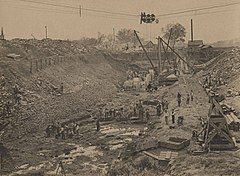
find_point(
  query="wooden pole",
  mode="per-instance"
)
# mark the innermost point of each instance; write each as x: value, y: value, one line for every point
x: 159, y: 56
x: 46, y: 32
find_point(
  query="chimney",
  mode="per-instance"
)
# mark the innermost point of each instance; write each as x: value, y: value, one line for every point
x: 191, y: 30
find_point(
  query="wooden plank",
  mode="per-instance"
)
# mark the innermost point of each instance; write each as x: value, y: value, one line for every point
x: 168, y: 155
x: 153, y: 156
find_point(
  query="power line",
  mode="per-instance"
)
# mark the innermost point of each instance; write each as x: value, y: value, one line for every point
x: 115, y: 15
x: 70, y: 12
x: 198, y: 9
x: 73, y: 7
x: 204, y: 13
x: 40, y: 8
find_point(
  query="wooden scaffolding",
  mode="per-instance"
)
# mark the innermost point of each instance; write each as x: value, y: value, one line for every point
x: 217, y: 135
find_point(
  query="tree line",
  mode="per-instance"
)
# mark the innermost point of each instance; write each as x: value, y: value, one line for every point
x: 175, y: 33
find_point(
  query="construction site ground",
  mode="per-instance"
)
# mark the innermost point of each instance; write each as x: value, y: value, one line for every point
x: 92, y: 82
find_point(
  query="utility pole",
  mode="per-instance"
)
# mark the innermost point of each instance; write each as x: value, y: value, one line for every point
x: 46, y: 32
x: 80, y: 10
x: 191, y: 30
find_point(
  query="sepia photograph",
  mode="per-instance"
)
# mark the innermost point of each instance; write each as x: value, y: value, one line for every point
x: 119, y: 87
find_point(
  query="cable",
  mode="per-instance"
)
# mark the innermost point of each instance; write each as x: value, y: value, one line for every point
x: 72, y: 7
x: 203, y: 13
x: 198, y: 9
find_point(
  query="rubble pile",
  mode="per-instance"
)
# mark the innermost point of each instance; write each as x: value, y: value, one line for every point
x: 227, y: 68
x: 44, y: 48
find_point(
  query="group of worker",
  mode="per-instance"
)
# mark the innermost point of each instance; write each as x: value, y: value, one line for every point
x: 188, y: 98
x: 62, y: 131
x: 125, y: 113
x: 172, y: 114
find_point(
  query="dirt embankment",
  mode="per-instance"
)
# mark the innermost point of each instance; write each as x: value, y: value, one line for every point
x: 88, y: 79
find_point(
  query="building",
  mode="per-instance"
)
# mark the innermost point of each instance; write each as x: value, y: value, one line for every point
x: 195, y: 43
x: 148, y: 45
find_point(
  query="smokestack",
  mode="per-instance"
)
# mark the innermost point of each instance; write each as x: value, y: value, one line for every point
x: 191, y: 30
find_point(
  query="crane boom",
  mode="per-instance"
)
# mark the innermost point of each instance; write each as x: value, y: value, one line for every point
x: 145, y: 52
x: 178, y: 55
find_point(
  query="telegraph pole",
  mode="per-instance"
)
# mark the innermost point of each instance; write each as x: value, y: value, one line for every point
x: 46, y: 32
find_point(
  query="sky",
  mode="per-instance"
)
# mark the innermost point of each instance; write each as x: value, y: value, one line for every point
x: 21, y: 19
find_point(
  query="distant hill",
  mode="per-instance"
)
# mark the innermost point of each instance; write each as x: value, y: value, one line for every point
x: 227, y: 43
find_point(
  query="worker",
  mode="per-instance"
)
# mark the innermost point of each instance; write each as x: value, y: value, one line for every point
x: 165, y: 114
x: 173, y: 116
x: 134, y: 111
x: 179, y: 99
x: 147, y: 115
x: 48, y: 131
x: 18, y: 98
x: 191, y: 95
x: 100, y: 113
x: 106, y: 113
x: 70, y: 134
x: 141, y: 112
x: 15, y: 91
x: 61, y: 88
x: 180, y: 120
x: 159, y: 108
x: 75, y: 128
x: 188, y: 98
x: 114, y: 112
x: 98, y: 124
x: 166, y: 104
x: 58, y: 127
x: 62, y: 132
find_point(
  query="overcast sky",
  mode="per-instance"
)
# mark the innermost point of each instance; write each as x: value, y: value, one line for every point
x: 21, y: 19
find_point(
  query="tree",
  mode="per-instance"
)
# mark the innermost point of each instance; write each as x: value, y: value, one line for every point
x: 126, y: 35
x: 177, y: 34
